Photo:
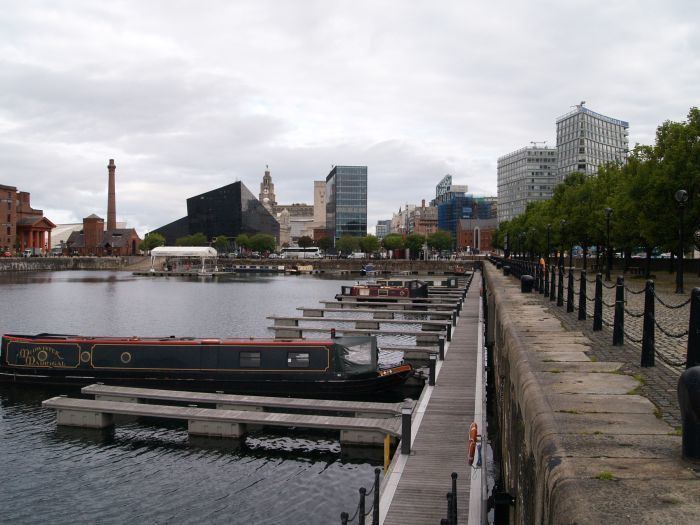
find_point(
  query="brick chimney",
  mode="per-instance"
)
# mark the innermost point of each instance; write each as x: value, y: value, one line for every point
x: 111, y: 199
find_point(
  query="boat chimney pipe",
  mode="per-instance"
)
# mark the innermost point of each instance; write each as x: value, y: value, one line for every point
x: 332, y: 333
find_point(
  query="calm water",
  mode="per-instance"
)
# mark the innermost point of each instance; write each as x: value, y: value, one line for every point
x: 152, y: 472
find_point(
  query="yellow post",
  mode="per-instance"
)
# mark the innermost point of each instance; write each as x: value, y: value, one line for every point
x: 387, y: 449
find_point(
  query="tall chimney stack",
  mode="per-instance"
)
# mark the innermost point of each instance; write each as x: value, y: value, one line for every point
x: 111, y: 200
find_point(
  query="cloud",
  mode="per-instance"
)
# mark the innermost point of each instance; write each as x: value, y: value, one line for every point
x: 188, y: 97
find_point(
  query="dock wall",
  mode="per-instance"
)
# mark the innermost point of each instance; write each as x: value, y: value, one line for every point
x: 33, y: 264
x: 576, y: 443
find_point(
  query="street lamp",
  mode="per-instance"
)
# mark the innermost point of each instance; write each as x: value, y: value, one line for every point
x: 549, y: 249
x: 608, y: 264
x: 533, y: 232
x: 562, y: 223
x: 681, y: 197
x: 546, y: 264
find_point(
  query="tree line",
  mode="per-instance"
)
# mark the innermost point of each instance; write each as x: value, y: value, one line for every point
x: 640, y: 195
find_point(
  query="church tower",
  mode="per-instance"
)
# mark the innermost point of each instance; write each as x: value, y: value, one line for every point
x: 267, y: 191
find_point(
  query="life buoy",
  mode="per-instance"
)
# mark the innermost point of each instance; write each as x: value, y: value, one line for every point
x: 402, y: 293
x: 472, y: 451
x: 473, y: 431
x: 471, y: 447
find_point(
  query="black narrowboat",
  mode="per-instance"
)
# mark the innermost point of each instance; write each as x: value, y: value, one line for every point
x: 340, y: 366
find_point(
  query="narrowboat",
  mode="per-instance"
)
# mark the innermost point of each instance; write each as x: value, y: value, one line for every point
x: 336, y: 367
x: 409, y: 289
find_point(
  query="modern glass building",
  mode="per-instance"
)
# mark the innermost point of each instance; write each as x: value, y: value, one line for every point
x: 586, y: 140
x: 463, y: 207
x: 524, y: 176
x: 229, y: 210
x: 346, y: 201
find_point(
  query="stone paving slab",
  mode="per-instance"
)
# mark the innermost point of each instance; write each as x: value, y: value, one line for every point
x: 577, y: 383
x: 597, y: 403
x: 570, y: 356
x: 591, y: 423
x: 634, y: 468
x: 620, y: 446
x: 584, y: 367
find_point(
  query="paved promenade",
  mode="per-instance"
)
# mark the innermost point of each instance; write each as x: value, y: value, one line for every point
x: 440, y: 447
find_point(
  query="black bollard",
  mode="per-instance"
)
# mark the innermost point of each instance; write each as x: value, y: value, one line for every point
x: 441, y: 348
x: 693, y: 355
x: 499, y: 265
x: 449, y: 508
x: 526, y: 282
x: 582, y: 296
x: 560, y: 289
x: 361, y: 512
x: 570, y: 292
x: 375, y: 507
x: 689, y: 402
x: 598, y: 304
x: 546, y: 281
x: 454, y: 497
x: 431, y: 370
x: 506, y: 269
x: 344, y: 518
x: 406, y: 413
x: 553, y: 286
x: 619, y: 321
x: 648, y: 333
x: 536, y: 279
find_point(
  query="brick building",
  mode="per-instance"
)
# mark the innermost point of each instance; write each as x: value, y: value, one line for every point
x: 21, y: 226
x: 476, y: 234
x: 93, y: 239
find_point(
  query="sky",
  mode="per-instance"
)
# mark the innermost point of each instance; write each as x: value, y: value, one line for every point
x: 190, y: 96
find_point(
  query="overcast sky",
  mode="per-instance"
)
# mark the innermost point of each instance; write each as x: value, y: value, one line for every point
x: 189, y: 96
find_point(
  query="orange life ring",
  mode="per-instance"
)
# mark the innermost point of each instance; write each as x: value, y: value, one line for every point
x: 471, y: 451
x: 402, y: 293
x: 473, y: 432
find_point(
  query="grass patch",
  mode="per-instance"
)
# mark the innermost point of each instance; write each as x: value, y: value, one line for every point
x: 594, y: 359
x: 657, y: 412
x: 606, y: 475
x: 597, y: 433
x: 640, y: 379
x: 678, y: 431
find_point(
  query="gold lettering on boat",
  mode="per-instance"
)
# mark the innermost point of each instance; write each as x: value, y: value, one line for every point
x: 45, y: 356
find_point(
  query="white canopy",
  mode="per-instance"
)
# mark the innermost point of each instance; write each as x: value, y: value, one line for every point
x: 183, y: 251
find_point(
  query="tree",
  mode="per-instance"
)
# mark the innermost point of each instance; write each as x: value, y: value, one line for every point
x: 305, y: 241
x: 369, y: 244
x: 347, y: 244
x: 440, y: 240
x: 196, y: 239
x: 221, y: 243
x: 243, y: 241
x: 152, y: 240
x: 263, y: 242
x: 393, y: 241
x: 324, y: 243
x: 414, y: 242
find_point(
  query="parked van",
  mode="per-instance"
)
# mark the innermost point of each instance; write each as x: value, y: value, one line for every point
x: 357, y: 255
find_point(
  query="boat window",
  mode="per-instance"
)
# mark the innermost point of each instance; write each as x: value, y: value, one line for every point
x: 298, y: 359
x: 250, y: 359
x: 383, y: 292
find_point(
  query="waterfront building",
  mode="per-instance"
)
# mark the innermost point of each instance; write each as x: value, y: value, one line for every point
x: 525, y: 175
x: 460, y: 207
x: 423, y: 220
x: 229, y: 210
x: 267, y: 191
x: 400, y: 220
x: 346, y: 201
x: 95, y: 239
x: 475, y: 234
x: 445, y: 190
x: 383, y: 228
x: 22, y: 227
x: 587, y: 140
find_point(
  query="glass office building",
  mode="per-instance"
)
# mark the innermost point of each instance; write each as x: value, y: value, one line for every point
x: 586, y: 140
x: 525, y: 176
x: 346, y: 201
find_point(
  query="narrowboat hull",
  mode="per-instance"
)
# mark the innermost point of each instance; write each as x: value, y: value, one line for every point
x: 312, y: 368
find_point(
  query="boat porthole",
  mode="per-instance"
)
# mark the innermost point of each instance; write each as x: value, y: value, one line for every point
x: 85, y: 357
x: 126, y: 357
x: 42, y: 355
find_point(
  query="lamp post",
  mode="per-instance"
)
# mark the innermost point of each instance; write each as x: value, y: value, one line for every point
x: 681, y: 197
x: 506, y: 250
x: 533, y: 232
x: 562, y: 223
x: 546, y: 268
x: 549, y: 250
x: 608, y: 264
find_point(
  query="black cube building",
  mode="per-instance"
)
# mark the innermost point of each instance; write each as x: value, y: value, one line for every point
x: 229, y: 210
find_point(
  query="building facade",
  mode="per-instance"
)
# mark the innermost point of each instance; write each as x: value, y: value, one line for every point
x: 22, y: 227
x: 229, y: 210
x: 475, y: 235
x: 463, y: 207
x: 267, y: 191
x: 587, y: 140
x: 97, y: 240
x: 346, y: 201
x: 525, y: 175
x: 383, y: 229
x: 445, y: 190
x: 423, y: 220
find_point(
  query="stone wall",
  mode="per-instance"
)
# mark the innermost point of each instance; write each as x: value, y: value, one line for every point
x: 577, y: 443
x: 30, y: 264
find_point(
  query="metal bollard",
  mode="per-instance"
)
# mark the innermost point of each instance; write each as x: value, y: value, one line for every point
x: 536, y: 283
x: 648, y: 333
x: 598, y: 304
x: 570, y: 292
x: 431, y: 370
x: 619, y: 322
x: 582, y: 285
x: 406, y: 413
x: 545, y: 291
x: 454, y: 498
x: 553, y: 286
x: 375, y: 507
x: 693, y: 355
x: 449, y: 508
x: 689, y: 402
x: 499, y: 265
x: 526, y: 282
x: 441, y: 348
x: 361, y: 512
x: 344, y: 518
x: 560, y: 290
x: 506, y: 269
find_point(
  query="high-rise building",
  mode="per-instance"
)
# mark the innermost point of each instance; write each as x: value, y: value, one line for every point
x: 526, y: 175
x: 586, y: 140
x: 383, y: 228
x: 346, y: 201
x: 445, y: 190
